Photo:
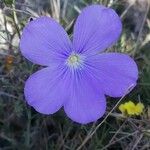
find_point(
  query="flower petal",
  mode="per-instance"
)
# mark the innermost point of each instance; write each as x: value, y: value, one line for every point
x: 45, y: 90
x: 96, y: 28
x: 87, y: 102
x: 116, y: 72
x: 44, y: 41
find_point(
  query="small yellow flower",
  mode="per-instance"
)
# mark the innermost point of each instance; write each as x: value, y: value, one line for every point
x: 122, y: 108
x: 139, y: 108
x: 129, y: 108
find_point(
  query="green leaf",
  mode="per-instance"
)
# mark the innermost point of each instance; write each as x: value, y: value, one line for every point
x: 8, y: 2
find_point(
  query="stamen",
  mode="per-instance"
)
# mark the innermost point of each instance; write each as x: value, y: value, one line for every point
x: 75, y: 60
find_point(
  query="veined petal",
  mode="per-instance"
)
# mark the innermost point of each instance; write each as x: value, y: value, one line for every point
x: 87, y: 103
x: 45, y: 90
x: 96, y: 28
x: 115, y: 72
x: 44, y: 41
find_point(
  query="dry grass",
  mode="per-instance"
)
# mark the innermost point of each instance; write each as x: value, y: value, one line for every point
x: 23, y: 128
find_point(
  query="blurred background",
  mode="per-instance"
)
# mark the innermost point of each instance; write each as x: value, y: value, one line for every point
x: 22, y: 128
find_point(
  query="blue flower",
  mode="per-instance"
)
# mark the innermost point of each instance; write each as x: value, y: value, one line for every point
x: 77, y: 74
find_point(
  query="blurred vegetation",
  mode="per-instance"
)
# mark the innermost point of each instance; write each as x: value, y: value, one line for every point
x: 22, y: 128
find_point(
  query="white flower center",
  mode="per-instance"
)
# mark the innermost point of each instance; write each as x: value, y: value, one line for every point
x: 75, y: 60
